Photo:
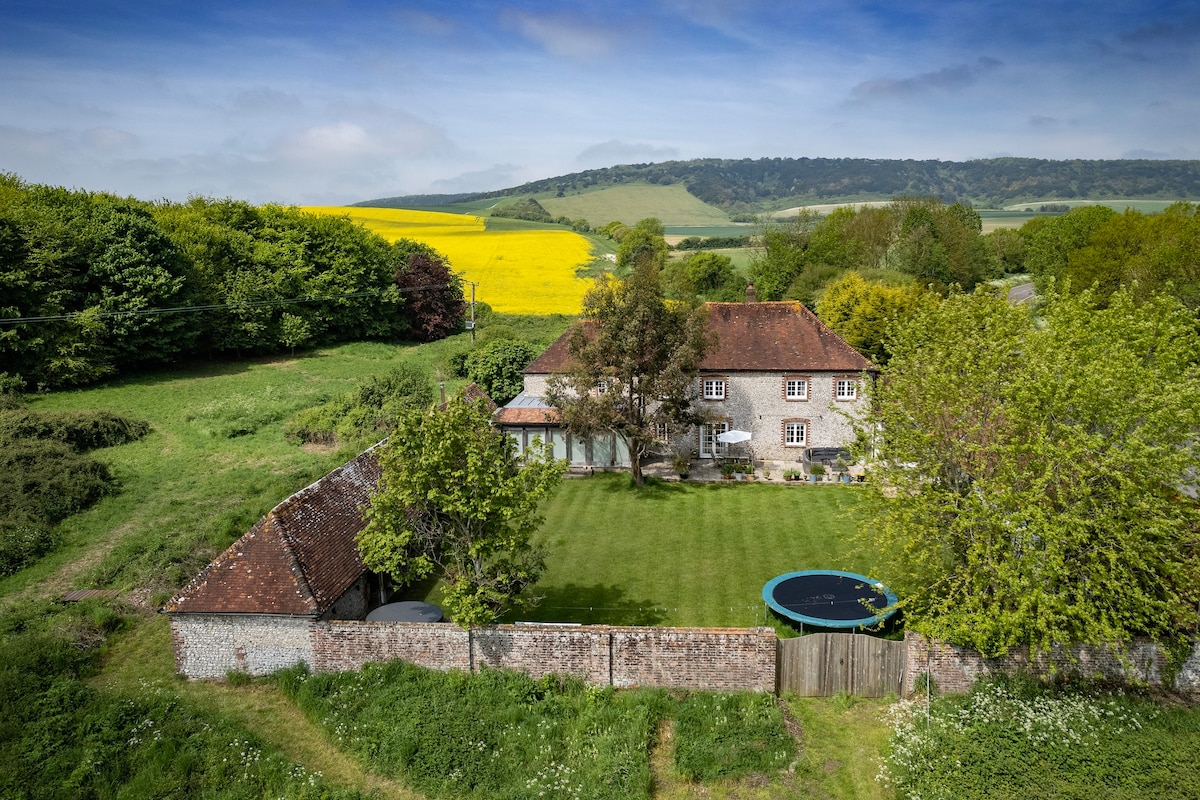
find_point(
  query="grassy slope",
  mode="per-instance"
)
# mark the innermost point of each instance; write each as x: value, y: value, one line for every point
x: 673, y: 205
x: 188, y: 489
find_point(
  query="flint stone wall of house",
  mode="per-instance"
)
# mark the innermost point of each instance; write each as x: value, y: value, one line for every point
x: 756, y: 401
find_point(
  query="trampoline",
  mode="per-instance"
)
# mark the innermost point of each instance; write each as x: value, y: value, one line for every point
x: 826, y: 598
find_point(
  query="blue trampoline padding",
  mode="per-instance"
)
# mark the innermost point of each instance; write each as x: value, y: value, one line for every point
x: 829, y: 598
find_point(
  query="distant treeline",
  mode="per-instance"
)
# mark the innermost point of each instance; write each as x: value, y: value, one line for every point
x: 746, y: 186
x: 92, y: 285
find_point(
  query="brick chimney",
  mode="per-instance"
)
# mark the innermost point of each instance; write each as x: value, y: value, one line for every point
x: 751, y: 295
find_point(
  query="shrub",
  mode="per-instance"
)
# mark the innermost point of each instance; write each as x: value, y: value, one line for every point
x: 365, y: 414
x: 22, y: 541
x: 47, y: 480
x: 83, y: 430
x: 498, y: 367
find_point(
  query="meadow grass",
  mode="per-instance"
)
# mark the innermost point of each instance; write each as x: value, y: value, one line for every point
x: 842, y: 738
x: 504, y: 734
x: 215, y: 460
x: 521, y: 271
x: 1015, y: 738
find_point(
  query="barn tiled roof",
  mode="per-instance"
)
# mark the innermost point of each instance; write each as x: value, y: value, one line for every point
x: 296, y: 560
x: 776, y: 337
x: 751, y: 337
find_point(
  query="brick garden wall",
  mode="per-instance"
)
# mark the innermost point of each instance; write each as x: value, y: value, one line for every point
x: 209, y: 646
x: 954, y: 669
x: 691, y: 658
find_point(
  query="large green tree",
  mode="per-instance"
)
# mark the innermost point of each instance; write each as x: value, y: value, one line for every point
x: 498, y: 367
x: 865, y: 312
x: 455, y: 501
x: 635, y: 357
x: 1035, y: 477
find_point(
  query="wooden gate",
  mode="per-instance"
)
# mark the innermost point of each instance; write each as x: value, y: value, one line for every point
x: 823, y: 664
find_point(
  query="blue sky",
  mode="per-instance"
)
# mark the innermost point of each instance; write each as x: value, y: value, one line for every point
x: 332, y: 101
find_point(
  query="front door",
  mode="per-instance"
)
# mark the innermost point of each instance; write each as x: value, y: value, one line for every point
x: 710, y: 447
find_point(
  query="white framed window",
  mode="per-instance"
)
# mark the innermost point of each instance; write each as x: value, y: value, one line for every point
x: 846, y: 389
x: 795, y: 433
x: 662, y: 433
x: 714, y: 388
x: 601, y: 387
x: 795, y: 389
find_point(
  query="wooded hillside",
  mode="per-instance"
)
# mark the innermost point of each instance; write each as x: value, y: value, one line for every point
x: 750, y: 185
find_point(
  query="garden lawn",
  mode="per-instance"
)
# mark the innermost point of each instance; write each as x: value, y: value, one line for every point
x: 684, y: 553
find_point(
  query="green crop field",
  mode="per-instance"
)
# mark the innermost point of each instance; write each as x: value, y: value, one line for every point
x: 673, y: 205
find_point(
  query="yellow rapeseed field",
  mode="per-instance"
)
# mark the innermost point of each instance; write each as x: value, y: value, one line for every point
x: 517, y: 272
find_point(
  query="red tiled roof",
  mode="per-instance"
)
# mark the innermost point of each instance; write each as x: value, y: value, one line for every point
x: 751, y: 337
x: 296, y: 560
x: 776, y: 337
x: 525, y: 416
x: 557, y: 356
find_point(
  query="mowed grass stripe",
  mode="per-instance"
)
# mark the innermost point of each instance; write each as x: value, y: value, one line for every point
x: 684, y: 553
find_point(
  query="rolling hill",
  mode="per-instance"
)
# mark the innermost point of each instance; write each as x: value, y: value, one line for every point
x: 715, y: 192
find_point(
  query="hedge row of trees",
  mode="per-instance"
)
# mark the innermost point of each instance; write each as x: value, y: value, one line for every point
x: 93, y: 285
x: 921, y: 239
x: 1094, y: 245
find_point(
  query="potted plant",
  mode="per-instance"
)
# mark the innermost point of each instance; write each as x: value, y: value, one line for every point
x: 816, y: 472
x: 727, y: 471
x: 682, y: 463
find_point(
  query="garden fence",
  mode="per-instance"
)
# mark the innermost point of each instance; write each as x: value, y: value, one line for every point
x: 823, y: 664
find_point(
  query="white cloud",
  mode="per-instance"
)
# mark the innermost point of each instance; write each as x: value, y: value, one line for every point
x: 564, y: 36
x: 498, y: 176
x: 616, y: 151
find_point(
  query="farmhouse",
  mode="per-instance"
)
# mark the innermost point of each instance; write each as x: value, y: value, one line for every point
x: 776, y: 371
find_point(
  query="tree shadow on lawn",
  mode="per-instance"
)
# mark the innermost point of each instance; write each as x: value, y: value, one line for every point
x: 654, y: 488
x: 598, y: 604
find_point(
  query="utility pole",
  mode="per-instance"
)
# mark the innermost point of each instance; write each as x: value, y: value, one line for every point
x: 471, y: 325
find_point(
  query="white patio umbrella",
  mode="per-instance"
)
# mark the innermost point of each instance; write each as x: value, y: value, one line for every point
x: 733, y: 437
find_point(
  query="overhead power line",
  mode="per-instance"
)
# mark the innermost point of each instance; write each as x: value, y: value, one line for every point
x: 149, y: 312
